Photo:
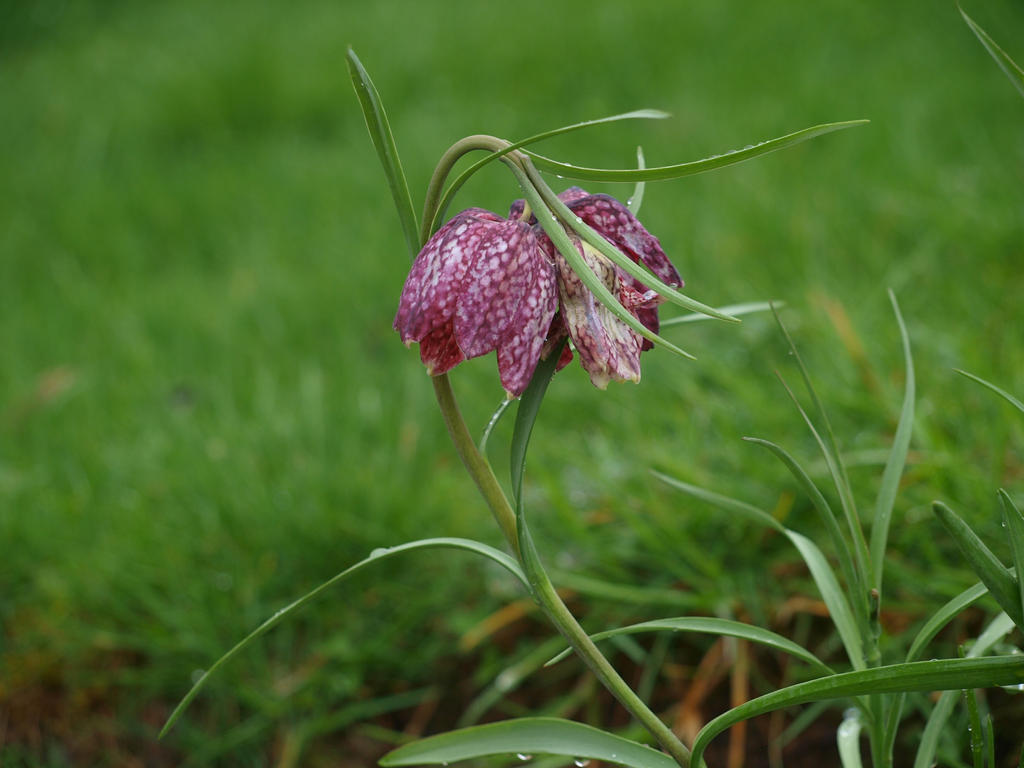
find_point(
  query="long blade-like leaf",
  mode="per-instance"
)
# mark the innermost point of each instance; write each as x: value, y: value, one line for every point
x: 936, y: 724
x: 1014, y: 522
x: 828, y: 586
x: 838, y: 606
x: 384, y: 142
x: 462, y: 178
x: 526, y: 737
x: 688, y: 169
x: 732, y: 310
x: 942, y: 617
x: 1001, y: 392
x: 526, y: 415
x: 713, y: 626
x: 939, y: 675
x: 897, y: 458
x: 1000, y: 582
x: 1008, y: 65
x: 822, y: 506
x: 376, y: 556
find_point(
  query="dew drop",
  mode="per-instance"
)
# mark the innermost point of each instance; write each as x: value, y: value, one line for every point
x: 522, y: 757
x: 197, y: 675
x: 379, y: 551
x: 581, y: 762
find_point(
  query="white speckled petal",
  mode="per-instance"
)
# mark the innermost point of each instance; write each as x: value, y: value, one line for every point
x: 494, y: 286
x: 616, y: 223
x: 609, y: 350
x: 520, y: 350
x: 435, y: 280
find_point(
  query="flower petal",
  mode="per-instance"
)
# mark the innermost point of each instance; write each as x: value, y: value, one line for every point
x: 495, y: 285
x: 614, y: 221
x: 435, y: 280
x: 520, y: 350
x: 438, y: 350
x: 609, y: 350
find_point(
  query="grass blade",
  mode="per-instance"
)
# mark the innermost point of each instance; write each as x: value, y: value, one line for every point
x: 823, y: 509
x: 939, y: 675
x: 637, y: 198
x: 942, y: 617
x: 936, y: 724
x: 836, y: 468
x: 712, y: 626
x: 1014, y: 523
x: 1001, y: 583
x: 897, y: 458
x: 1001, y: 392
x: 384, y: 142
x: 376, y: 556
x: 528, y: 736
x: 817, y: 564
x: 1008, y: 65
x: 688, y: 169
x: 974, y: 731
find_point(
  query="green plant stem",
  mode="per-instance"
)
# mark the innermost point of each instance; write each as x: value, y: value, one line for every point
x: 560, y: 615
x: 477, y: 466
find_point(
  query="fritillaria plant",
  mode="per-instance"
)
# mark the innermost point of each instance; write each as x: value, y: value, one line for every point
x: 562, y: 275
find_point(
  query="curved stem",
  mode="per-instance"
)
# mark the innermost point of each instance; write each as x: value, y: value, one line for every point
x: 477, y: 466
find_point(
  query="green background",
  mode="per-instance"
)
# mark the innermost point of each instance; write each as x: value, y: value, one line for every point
x: 204, y: 411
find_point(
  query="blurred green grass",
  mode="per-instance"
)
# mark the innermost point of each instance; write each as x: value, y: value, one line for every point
x: 204, y: 411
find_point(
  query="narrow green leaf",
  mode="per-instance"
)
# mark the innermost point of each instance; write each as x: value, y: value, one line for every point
x: 732, y: 310
x: 834, y: 461
x: 838, y: 606
x: 823, y: 508
x: 526, y: 415
x: 936, y: 622
x: 944, y: 674
x: 848, y: 740
x: 1001, y: 392
x: 1001, y: 583
x: 462, y: 178
x: 637, y: 198
x: 996, y: 630
x: 561, y: 241
x: 897, y: 458
x: 641, y: 273
x: 1014, y: 523
x: 1008, y: 65
x: 942, y: 617
x: 376, y: 556
x: 528, y: 736
x: 491, y: 424
x: 688, y: 169
x: 713, y: 626
x: 380, y: 133
x: 726, y: 503
x: 817, y: 564
x: 974, y: 731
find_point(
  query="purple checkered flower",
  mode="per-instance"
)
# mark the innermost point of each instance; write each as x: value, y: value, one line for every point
x: 486, y: 283
x: 481, y: 283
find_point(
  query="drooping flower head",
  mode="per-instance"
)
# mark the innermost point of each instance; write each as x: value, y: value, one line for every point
x: 481, y: 283
x: 486, y: 283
